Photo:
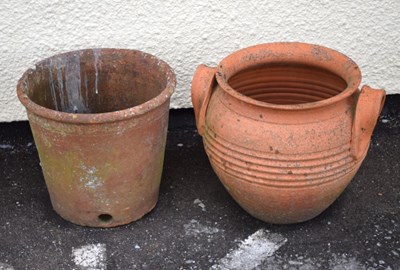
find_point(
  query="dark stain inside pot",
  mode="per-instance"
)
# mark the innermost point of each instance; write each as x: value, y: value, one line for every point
x: 287, y: 84
x: 91, y: 82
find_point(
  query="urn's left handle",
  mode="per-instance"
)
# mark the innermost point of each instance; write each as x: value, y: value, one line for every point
x: 202, y: 85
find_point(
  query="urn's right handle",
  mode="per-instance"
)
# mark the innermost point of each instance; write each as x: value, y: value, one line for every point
x: 202, y: 84
x: 369, y: 105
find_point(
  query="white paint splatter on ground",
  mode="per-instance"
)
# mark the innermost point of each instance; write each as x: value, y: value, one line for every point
x: 258, y: 252
x: 252, y: 251
x: 273, y: 263
x: 90, y: 257
x: 200, y: 204
x: 6, y: 146
x: 4, y: 266
x: 194, y: 228
x: 345, y: 263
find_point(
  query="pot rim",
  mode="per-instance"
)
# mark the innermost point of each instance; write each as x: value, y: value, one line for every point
x: 285, y: 52
x: 97, y: 118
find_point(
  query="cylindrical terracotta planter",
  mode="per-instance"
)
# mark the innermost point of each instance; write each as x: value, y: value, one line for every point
x: 99, y: 118
x: 285, y: 126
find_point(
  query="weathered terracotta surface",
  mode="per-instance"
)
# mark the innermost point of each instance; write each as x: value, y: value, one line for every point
x: 285, y: 126
x: 99, y: 119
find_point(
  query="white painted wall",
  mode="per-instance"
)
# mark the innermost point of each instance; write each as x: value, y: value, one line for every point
x: 187, y: 33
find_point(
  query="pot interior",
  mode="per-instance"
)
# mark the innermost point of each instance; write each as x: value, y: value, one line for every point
x: 287, y: 84
x: 96, y: 80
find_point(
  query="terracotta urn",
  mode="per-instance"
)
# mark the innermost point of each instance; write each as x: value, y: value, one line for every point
x: 285, y: 126
x: 99, y: 119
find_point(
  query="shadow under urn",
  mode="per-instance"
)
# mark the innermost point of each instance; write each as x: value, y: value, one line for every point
x: 285, y: 126
x: 99, y: 118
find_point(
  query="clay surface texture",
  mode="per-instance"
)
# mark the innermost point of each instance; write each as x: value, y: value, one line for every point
x: 285, y: 126
x: 99, y: 118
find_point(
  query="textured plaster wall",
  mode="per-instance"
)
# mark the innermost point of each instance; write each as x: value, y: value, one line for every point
x: 187, y: 33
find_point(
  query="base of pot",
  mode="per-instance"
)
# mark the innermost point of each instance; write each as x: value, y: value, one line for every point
x: 105, y: 220
x: 276, y: 205
x: 283, y: 220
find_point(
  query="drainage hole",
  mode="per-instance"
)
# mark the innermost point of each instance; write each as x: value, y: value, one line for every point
x: 105, y: 217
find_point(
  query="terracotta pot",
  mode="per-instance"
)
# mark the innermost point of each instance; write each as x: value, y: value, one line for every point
x: 285, y: 127
x: 99, y: 119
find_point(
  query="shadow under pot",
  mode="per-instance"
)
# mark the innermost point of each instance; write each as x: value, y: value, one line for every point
x: 99, y: 119
x: 285, y: 126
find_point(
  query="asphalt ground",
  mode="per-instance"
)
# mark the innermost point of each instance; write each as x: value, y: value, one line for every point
x: 196, y: 224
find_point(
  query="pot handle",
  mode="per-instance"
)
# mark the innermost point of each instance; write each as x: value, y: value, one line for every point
x: 369, y: 105
x: 202, y: 84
